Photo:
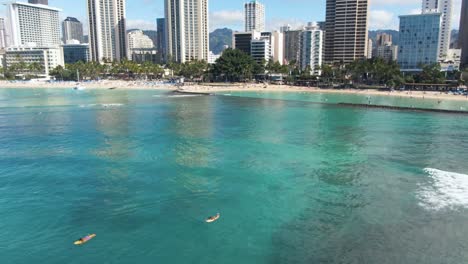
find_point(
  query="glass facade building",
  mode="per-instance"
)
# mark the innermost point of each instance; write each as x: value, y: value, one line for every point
x: 74, y: 53
x: 419, y: 40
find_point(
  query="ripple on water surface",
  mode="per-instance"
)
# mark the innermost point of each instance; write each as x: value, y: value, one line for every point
x: 294, y: 181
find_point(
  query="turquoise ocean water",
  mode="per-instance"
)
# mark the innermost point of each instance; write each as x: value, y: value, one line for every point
x: 294, y: 181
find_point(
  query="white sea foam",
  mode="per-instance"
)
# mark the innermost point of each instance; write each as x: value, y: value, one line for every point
x: 87, y: 105
x: 111, y: 105
x: 449, y: 190
x: 185, y: 95
x: 100, y: 105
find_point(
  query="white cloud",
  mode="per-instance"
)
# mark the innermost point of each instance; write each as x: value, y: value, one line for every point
x: 415, y: 11
x: 233, y: 19
x: 381, y: 19
x: 141, y: 24
x: 276, y: 23
x: 395, y: 2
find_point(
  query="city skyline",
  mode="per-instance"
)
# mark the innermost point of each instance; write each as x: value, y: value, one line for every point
x: 383, y: 13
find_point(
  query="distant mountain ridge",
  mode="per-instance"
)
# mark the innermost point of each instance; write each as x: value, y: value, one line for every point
x: 219, y: 38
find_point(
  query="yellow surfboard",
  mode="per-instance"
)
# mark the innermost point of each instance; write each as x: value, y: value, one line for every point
x: 85, y: 239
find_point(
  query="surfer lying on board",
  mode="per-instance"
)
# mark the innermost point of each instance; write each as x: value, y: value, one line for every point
x: 212, y: 219
x: 85, y: 239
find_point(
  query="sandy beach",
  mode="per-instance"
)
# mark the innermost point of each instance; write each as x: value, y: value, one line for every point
x: 214, y: 88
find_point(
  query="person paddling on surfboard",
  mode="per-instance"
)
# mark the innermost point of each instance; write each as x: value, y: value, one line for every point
x: 85, y: 239
x: 212, y: 219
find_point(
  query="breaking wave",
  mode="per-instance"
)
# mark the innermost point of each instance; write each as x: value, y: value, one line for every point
x: 449, y: 190
x: 111, y: 105
x: 100, y: 105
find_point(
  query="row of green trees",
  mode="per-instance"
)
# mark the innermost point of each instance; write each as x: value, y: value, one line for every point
x: 236, y: 66
x: 122, y: 70
x: 29, y: 70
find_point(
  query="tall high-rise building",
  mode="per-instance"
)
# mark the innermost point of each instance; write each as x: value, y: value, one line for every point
x: 346, y: 30
x: 463, y: 35
x: 384, y: 48
x: 33, y: 25
x: 137, y: 40
x: 161, y: 38
x: 243, y: 41
x: 285, y: 28
x: 446, y: 8
x: 3, y: 39
x: 311, y: 49
x: 187, y: 36
x: 370, y: 45
x: 107, y: 30
x: 152, y: 34
x: 278, y: 47
x: 254, y: 16
x: 260, y: 50
x: 292, y: 44
x: 72, y: 29
x: 386, y: 52
x: 419, y: 40
x: 40, y: 2
x: 383, y: 39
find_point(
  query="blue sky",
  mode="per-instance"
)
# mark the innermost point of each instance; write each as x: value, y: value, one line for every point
x: 228, y: 13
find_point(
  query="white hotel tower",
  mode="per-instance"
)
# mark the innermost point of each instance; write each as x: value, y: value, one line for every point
x: 34, y: 25
x: 187, y: 36
x: 446, y: 8
x: 254, y: 16
x: 107, y: 30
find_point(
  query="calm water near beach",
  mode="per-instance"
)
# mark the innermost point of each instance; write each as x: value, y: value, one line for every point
x: 294, y: 181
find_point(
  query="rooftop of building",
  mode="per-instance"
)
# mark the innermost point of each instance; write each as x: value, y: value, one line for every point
x: 418, y: 15
x: 72, y: 19
x: 37, y: 6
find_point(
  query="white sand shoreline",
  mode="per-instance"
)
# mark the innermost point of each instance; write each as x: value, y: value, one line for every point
x: 215, y: 88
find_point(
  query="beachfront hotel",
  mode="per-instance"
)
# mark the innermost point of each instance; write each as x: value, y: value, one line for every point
x: 463, y: 35
x: 187, y: 36
x: 419, y: 40
x: 346, y: 30
x: 33, y: 25
x: 444, y: 7
x: 138, y: 41
x: 311, y: 49
x: 72, y: 29
x: 254, y: 16
x: 47, y: 58
x: 107, y: 30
